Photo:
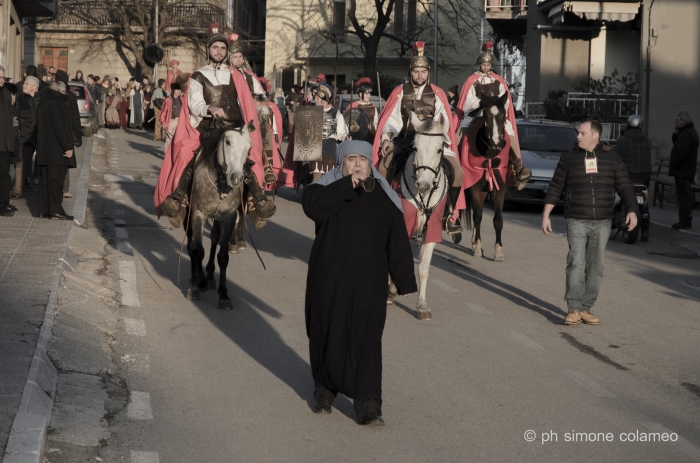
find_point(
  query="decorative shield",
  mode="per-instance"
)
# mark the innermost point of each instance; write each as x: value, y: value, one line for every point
x: 358, y: 123
x: 308, y: 133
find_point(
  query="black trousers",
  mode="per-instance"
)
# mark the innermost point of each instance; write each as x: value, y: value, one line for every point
x: 5, y: 179
x: 51, y: 190
x: 27, y: 155
x: 684, y: 193
x: 362, y: 406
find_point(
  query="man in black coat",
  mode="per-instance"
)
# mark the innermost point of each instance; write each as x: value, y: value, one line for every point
x: 634, y: 148
x: 54, y: 151
x: 361, y: 238
x: 74, y: 113
x: 8, y: 135
x: 590, y: 176
x: 25, y: 105
x: 683, y: 166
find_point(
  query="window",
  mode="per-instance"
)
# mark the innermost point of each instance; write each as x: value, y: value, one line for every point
x: 338, y: 15
x: 398, y: 18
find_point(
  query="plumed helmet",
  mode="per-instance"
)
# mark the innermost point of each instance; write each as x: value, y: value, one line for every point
x: 234, y: 44
x: 215, y: 35
x: 321, y: 77
x: 364, y: 85
x: 324, y: 91
x: 486, y: 56
x: 635, y: 121
x: 419, y: 60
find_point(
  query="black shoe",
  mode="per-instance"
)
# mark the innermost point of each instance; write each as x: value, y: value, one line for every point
x: 682, y: 225
x: 322, y: 407
x: 10, y: 206
x: 28, y: 187
x: 6, y: 212
x: 62, y: 217
x: 43, y: 216
x: 372, y: 419
x: 645, y: 234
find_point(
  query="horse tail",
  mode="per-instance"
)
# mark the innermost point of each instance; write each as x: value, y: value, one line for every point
x: 467, y: 213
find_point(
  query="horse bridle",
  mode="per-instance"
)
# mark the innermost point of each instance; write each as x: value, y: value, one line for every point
x: 416, y: 168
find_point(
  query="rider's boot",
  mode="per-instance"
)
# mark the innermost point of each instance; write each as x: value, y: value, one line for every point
x: 270, y: 177
x: 450, y: 227
x: 262, y: 207
x: 521, y: 174
x: 175, y: 205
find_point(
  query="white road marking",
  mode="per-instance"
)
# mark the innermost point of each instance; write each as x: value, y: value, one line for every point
x: 118, y: 222
x: 144, y: 457
x: 480, y: 309
x: 121, y: 233
x: 689, y: 285
x: 119, y: 212
x: 127, y: 275
x: 525, y: 341
x: 681, y: 443
x: 139, y: 407
x: 134, y: 327
x: 120, y: 201
x: 636, y: 265
x: 444, y: 286
x: 137, y: 362
x: 117, y: 192
x: 119, y: 178
x: 125, y: 247
x: 589, y: 384
x: 521, y: 222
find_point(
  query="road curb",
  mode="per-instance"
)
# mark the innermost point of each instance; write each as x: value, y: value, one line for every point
x: 29, y: 428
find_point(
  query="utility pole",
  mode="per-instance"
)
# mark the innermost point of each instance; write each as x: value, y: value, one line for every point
x: 155, y: 66
x: 435, y: 43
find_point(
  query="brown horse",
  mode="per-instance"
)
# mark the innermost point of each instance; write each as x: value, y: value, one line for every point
x: 489, y: 142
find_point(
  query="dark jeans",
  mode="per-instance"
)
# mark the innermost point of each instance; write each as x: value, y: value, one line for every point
x: 362, y: 406
x: 584, y: 264
x: 684, y: 193
x: 51, y: 190
x: 5, y: 179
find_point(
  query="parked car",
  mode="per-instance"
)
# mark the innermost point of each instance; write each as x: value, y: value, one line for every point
x: 342, y: 101
x: 86, y: 107
x: 541, y: 144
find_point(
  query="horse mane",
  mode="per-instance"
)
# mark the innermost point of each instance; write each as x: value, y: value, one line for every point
x: 210, y: 147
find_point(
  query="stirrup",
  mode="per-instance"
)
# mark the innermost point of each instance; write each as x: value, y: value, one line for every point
x: 270, y: 177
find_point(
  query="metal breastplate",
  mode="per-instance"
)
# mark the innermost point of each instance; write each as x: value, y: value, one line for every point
x: 221, y: 96
x: 329, y: 122
x: 424, y: 107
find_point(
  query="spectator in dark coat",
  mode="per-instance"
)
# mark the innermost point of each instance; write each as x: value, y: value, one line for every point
x: 74, y: 114
x: 54, y: 151
x: 25, y: 106
x: 559, y: 111
x: 683, y: 165
x: 7, y: 146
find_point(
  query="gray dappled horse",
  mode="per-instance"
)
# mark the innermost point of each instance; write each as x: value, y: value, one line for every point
x: 490, y: 141
x: 428, y: 187
x: 216, y: 194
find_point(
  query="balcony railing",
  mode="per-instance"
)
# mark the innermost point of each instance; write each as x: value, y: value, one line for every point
x: 96, y: 14
x: 505, y: 6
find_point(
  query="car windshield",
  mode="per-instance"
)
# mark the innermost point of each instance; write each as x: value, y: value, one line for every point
x: 543, y: 138
x: 78, y: 91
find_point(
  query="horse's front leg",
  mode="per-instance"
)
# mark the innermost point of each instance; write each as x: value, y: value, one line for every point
x: 426, y: 255
x: 198, y: 280
x: 477, y: 197
x: 214, y: 238
x: 499, y: 197
x: 222, y: 259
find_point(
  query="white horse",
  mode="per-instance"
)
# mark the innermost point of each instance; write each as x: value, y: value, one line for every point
x: 428, y: 188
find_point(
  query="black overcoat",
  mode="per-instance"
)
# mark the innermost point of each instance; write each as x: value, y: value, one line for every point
x: 361, y: 239
x: 8, y: 134
x: 54, y: 131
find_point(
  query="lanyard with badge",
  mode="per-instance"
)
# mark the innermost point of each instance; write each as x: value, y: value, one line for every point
x: 591, y: 163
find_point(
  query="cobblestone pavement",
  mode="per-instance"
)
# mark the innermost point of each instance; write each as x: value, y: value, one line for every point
x: 29, y: 253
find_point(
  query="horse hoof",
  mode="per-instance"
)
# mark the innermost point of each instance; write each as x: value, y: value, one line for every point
x: 233, y: 249
x: 424, y: 314
x: 192, y: 295
x: 389, y: 301
x: 212, y: 284
x: 457, y: 238
x: 499, y: 258
x: 225, y: 304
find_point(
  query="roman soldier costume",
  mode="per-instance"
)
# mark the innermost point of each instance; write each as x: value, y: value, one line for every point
x: 334, y: 132
x: 364, y: 87
x: 427, y: 101
x: 214, y: 85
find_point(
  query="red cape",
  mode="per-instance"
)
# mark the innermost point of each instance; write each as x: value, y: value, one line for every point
x: 277, y: 148
x: 170, y: 78
x: 386, y: 113
x: 186, y: 141
x: 471, y: 164
x: 166, y: 111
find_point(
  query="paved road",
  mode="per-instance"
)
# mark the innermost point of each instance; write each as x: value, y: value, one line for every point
x: 214, y: 386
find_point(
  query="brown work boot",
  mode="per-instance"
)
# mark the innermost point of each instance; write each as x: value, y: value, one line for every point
x: 573, y: 318
x: 589, y: 319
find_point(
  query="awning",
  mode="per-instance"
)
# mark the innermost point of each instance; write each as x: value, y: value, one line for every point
x: 595, y: 11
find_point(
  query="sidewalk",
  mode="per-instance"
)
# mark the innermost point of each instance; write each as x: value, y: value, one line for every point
x: 32, y: 253
x: 687, y: 239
